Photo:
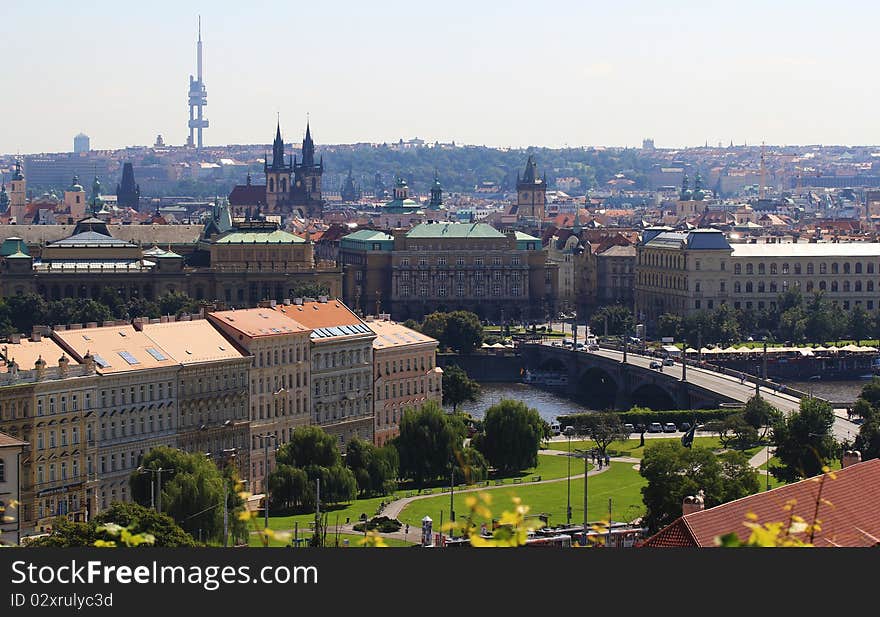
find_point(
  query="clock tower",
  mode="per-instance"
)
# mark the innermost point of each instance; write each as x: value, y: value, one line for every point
x: 531, y: 192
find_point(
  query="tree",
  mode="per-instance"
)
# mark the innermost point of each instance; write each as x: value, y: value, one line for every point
x: 310, y: 290
x: 428, y: 441
x: 803, y: 441
x: 435, y: 327
x: 458, y: 388
x: 724, y: 324
x: 511, y: 437
x: 603, y: 428
x: 463, y: 332
x: 375, y: 469
x: 176, y: 303
x: 868, y: 439
x: 314, y: 453
x: 141, y: 307
x: 670, y: 325
x: 673, y: 472
x: 137, y: 518
x: 736, y: 432
x: 871, y: 392
x: 617, y: 316
x: 760, y: 414
x: 860, y: 324
x: 192, y: 494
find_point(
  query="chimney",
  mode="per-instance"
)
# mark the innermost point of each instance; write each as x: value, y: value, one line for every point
x: 92, y: 324
x: 15, y: 339
x: 298, y: 301
x: 850, y: 457
x: 692, y: 503
x: 138, y: 324
x: 322, y: 299
x: 286, y: 301
x: 40, y: 368
x: 63, y: 366
x: 89, y: 362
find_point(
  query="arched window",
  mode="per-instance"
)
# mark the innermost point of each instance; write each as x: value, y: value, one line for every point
x: 749, y: 287
x: 797, y: 268
x: 846, y: 268
x: 761, y: 268
x: 736, y: 287
x: 858, y: 286
x: 833, y: 285
x: 737, y: 269
x: 835, y: 268
x: 823, y: 268
x: 870, y: 285
x: 846, y: 286
x: 750, y: 269
x: 858, y: 267
x: 271, y: 185
x: 760, y: 287
x: 773, y: 287
x: 810, y: 268
x: 809, y: 286
x: 822, y: 286
x: 870, y: 267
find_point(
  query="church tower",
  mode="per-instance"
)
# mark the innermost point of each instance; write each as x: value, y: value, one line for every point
x: 17, y: 193
x: 277, y: 174
x: 128, y: 193
x: 307, y: 178
x: 75, y: 200
x: 531, y: 192
x: 436, y: 202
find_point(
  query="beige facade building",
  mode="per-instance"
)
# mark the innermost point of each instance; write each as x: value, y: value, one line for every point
x: 212, y: 390
x: 684, y: 272
x: 11, y: 450
x: 405, y: 374
x: 131, y: 408
x: 279, y: 380
x: 341, y: 365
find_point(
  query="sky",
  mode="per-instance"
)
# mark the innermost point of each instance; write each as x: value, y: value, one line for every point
x: 502, y: 73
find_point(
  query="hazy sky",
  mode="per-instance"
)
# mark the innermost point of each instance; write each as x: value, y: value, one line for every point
x: 548, y: 72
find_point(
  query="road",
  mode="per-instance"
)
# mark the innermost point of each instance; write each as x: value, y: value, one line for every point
x: 729, y: 386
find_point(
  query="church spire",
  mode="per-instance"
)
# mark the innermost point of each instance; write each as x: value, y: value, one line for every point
x: 278, y: 148
x: 308, y: 149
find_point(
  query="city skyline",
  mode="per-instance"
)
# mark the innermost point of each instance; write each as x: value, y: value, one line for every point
x: 559, y: 75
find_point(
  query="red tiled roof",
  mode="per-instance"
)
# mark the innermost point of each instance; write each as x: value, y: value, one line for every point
x: 248, y: 195
x: 851, y: 519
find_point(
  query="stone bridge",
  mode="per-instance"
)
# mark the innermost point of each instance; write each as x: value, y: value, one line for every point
x: 601, y: 380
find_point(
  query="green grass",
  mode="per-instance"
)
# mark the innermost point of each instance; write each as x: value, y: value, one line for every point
x: 632, y: 449
x: 353, y: 540
x: 621, y: 483
x: 549, y: 467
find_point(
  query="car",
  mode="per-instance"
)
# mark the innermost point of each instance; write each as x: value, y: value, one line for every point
x: 669, y: 427
x: 593, y: 347
x: 655, y: 427
x: 685, y: 426
x: 640, y: 428
x: 668, y: 362
x: 555, y: 428
x: 579, y: 346
x: 656, y: 364
x: 629, y: 428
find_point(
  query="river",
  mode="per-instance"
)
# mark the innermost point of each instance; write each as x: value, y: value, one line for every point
x: 550, y: 405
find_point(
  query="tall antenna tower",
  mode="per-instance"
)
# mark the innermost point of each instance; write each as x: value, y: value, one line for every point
x: 763, y: 174
x: 198, y: 98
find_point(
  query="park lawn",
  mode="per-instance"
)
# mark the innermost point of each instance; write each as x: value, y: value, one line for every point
x: 549, y: 467
x: 622, y: 484
x: 353, y: 541
x: 631, y: 447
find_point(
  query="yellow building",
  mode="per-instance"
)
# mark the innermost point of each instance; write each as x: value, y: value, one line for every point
x: 405, y: 375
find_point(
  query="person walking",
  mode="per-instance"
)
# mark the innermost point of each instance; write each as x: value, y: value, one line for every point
x: 607, y: 460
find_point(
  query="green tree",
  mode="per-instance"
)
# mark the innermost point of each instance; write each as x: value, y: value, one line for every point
x: 511, y: 437
x: 793, y: 324
x: 192, y: 494
x: 428, y: 442
x: 310, y: 290
x: 603, y: 428
x: 435, y: 327
x: 673, y: 472
x: 141, y: 307
x: 670, y: 324
x: 375, y: 469
x: 860, y: 324
x: 868, y: 439
x: 23, y: 312
x: 617, y: 316
x: 463, y: 332
x: 724, y: 325
x: 458, y: 388
x: 314, y: 452
x: 137, y: 518
x: 803, y: 441
x: 760, y: 414
x: 176, y: 303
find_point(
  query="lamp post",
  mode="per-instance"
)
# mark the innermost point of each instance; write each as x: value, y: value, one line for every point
x: 266, y: 439
x: 584, y: 454
x: 155, y: 476
x: 569, y: 431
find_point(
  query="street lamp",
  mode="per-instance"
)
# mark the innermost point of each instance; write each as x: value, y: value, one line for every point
x: 569, y: 431
x: 155, y: 477
x: 266, y: 439
x: 584, y: 454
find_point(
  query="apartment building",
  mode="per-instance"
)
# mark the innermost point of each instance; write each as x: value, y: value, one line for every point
x: 279, y: 379
x: 10, y: 485
x: 405, y: 375
x: 341, y: 366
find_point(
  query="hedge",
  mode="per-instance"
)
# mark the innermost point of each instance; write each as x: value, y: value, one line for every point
x: 647, y: 417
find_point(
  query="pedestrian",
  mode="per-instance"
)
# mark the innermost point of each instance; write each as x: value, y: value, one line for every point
x: 406, y: 533
x: 608, y: 460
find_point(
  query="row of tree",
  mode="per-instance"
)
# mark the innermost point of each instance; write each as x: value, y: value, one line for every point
x: 460, y: 331
x: 794, y: 317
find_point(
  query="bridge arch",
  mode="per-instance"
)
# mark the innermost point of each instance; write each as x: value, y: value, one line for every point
x: 653, y: 396
x: 596, y: 389
x: 553, y: 364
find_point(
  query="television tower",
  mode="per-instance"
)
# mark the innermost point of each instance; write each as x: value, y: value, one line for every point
x: 198, y: 98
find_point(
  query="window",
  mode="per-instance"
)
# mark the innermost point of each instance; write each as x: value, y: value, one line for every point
x: 697, y: 264
x: 2, y: 470
x: 441, y: 261
x: 737, y: 269
x: 697, y: 287
x: 736, y: 287
x: 761, y: 269
x: 750, y: 269
x: 459, y: 261
x: 823, y: 268
x: 773, y: 268
x: 846, y: 268
x: 835, y: 268
x: 810, y: 268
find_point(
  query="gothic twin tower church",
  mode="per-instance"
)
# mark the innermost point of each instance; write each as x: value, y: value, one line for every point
x: 293, y: 187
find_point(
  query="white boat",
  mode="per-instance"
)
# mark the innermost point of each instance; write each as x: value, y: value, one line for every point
x: 545, y: 378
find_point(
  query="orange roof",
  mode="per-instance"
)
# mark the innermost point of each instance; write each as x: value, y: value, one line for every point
x: 257, y: 322
x: 849, y: 511
x: 7, y: 441
x: 27, y: 352
x: 392, y: 334
x: 190, y: 342
x: 324, y: 315
x: 115, y: 348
